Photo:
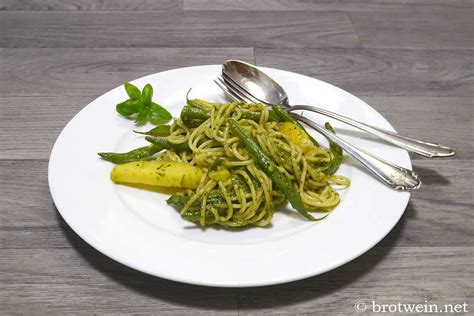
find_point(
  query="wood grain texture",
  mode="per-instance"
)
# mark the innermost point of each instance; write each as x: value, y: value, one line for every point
x: 447, y: 29
x: 63, y: 281
x: 385, y: 275
x: 400, y: 72
x: 84, y: 281
x: 29, y: 126
x: 444, y: 204
x: 160, y: 29
x: 91, y: 5
x: 92, y: 72
x: 329, y: 5
x: 445, y: 120
x: 413, y: 63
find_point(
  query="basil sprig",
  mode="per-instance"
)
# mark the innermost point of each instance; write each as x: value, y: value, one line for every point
x: 141, y: 104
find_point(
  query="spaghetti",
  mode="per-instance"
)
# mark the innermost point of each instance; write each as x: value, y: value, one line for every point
x: 233, y: 190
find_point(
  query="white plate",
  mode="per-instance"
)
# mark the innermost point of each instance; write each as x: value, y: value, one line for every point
x: 137, y: 228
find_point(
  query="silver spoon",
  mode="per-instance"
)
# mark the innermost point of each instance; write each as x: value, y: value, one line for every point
x: 267, y: 91
x: 394, y: 176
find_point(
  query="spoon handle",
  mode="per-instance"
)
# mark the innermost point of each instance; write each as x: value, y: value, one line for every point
x: 396, y: 177
x: 417, y: 146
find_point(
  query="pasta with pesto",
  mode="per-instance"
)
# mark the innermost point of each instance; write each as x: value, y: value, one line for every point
x: 235, y: 189
x: 233, y: 163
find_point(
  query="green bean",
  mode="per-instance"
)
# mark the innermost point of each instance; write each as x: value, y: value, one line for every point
x: 161, y: 130
x: 199, y: 103
x: 165, y: 144
x: 193, y: 116
x: 193, y: 214
x: 133, y: 155
x: 273, y: 116
x: 336, y: 151
x: 270, y: 169
x: 254, y: 116
x: 178, y: 200
x: 214, y: 199
x: 158, y: 144
x: 194, y: 112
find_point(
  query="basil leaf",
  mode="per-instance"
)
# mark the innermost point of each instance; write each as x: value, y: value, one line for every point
x: 156, y: 118
x: 147, y: 94
x: 127, y: 108
x: 132, y: 91
x: 158, y: 115
x: 141, y: 117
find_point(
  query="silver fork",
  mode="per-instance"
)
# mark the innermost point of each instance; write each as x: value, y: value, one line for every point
x: 396, y: 177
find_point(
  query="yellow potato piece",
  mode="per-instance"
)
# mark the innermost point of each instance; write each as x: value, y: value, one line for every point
x: 220, y: 175
x: 159, y: 173
x: 296, y: 134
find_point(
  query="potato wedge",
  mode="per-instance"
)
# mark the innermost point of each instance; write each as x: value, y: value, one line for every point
x: 160, y: 173
x: 296, y: 134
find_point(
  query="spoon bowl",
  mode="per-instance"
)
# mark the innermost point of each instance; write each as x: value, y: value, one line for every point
x: 262, y: 87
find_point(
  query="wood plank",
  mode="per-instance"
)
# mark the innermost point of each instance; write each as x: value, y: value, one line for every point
x: 28, y: 218
x: 444, y: 120
x: 92, y: 72
x: 388, y: 275
x: 432, y: 223
x: 328, y: 5
x: 91, y: 5
x: 71, y: 281
x: 30, y: 125
x: 160, y: 29
x: 84, y: 281
x: 447, y: 29
x: 399, y: 72
x: 446, y: 181
x: 27, y: 209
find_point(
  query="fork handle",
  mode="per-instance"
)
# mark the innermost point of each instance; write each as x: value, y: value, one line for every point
x: 417, y: 146
x: 396, y: 177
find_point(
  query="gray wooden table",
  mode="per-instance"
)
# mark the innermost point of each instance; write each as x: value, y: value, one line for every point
x: 412, y: 62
